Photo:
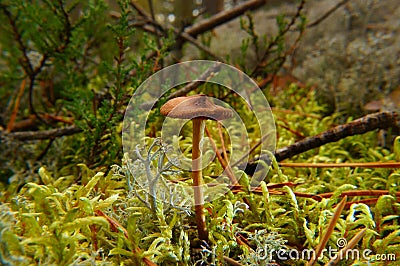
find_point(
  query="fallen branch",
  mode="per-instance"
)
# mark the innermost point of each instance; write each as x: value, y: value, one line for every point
x: 203, y: 78
x: 381, y: 120
x: 164, y: 30
x: 45, y: 134
x: 222, y: 17
x: 327, y: 14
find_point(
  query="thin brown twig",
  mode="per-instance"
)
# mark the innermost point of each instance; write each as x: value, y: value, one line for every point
x: 203, y: 78
x: 221, y: 136
x: 251, y: 150
x: 286, y: 111
x: 165, y: 28
x: 294, y: 132
x: 221, y: 160
x: 274, y: 42
x: 339, y: 165
x: 223, y: 17
x: 10, y: 123
x: 44, y: 134
x: 327, y: 14
x: 45, y: 150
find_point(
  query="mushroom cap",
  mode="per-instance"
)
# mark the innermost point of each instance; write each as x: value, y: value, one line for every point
x: 196, y: 106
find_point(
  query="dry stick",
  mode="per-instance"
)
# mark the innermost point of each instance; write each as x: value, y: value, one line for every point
x: 203, y: 78
x: 222, y: 17
x: 228, y: 167
x: 337, y: 165
x: 10, y: 124
x: 206, y: 24
x: 286, y: 111
x: 27, y: 66
x: 150, y: 2
x: 263, y: 58
x: 327, y: 14
x: 349, y: 245
x: 251, y: 150
x: 329, y: 230
x: 221, y: 136
x: 380, y: 120
x: 221, y: 160
x: 165, y: 29
x: 45, y: 134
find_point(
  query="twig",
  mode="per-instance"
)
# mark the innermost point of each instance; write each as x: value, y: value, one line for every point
x: 221, y: 136
x: 380, y: 120
x: 203, y: 78
x: 10, y: 124
x: 337, y: 165
x: 294, y: 132
x: 326, y: 14
x: 45, y: 134
x: 222, y: 17
x: 26, y: 64
x: 164, y: 29
x: 251, y: 150
x: 221, y: 160
x: 262, y: 60
x: 46, y: 149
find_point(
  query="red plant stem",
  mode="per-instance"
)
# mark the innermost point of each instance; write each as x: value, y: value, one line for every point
x: 198, y: 129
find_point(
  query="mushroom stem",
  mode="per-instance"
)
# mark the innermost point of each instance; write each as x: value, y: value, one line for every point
x: 198, y: 131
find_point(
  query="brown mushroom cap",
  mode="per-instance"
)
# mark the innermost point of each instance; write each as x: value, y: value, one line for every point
x: 196, y: 106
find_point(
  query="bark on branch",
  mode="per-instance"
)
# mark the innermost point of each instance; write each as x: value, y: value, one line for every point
x: 381, y: 120
x: 45, y: 134
x: 222, y: 17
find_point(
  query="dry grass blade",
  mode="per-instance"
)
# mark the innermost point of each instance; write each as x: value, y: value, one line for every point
x: 349, y: 245
x: 329, y: 231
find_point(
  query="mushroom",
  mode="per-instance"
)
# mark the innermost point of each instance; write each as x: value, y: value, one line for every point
x: 197, y: 108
